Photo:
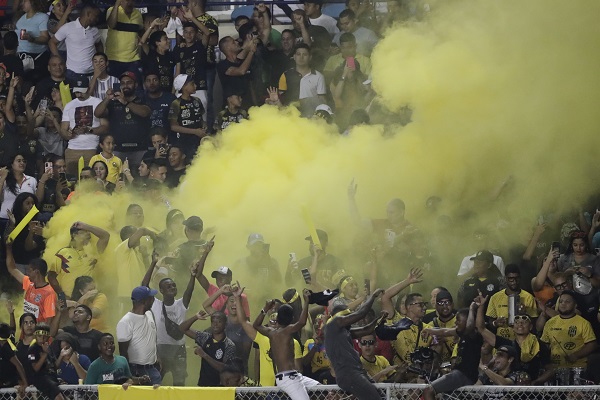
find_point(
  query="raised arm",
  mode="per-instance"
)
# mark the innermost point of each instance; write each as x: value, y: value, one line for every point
x: 539, y: 229
x: 150, y: 271
x: 415, y: 276
x: 200, y: 265
x: 11, y: 265
x: 207, y: 304
x: 368, y: 329
x: 189, y: 290
x: 359, y: 314
x: 135, y: 238
x: 257, y: 324
x: 488, y: 335
x: 112, y: 18
x: 549, y: 264
x: 186, y: 325
x: 297, y: 326
x: 102, y: 235
x: 241, y: 314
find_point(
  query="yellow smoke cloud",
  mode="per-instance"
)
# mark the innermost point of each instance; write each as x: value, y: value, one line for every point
x: 497, y: 89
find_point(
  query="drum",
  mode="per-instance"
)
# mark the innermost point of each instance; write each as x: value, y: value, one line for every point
x: 570, y: 376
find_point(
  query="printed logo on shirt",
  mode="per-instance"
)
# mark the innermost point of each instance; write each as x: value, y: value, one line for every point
x: 108, y: 377
x: 569, y: 346
x: 572, y: 331
x: 219, y: 354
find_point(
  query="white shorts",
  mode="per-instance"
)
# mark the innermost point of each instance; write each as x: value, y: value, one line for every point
x: 294, y: 384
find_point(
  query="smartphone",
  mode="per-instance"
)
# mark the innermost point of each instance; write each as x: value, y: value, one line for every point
x: 48, y: 167
x: 22, y: 34
x: 293, y: 257
x: 368, y: 286
x: 556, y: 246
x: 43, y: 106
x: 350, y: 63
x: 62, y: 300
x: 162, y: 148
x: 62, y: 176
x: 306, y: 276
x: 116, y: 87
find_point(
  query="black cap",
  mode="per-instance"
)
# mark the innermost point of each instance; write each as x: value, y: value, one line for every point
x: 484, y: 255
x: 443, y: 295
x: 510, y: 350
x: 323, y: 237
x: 194, y: 223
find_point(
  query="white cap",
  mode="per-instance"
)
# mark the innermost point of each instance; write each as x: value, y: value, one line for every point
x: 324, y: 107
x: 180, y: 80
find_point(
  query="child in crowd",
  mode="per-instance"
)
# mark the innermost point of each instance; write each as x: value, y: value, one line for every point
x: 232, y: 114
x: 113, y: 163
x: 378, y: 367
x: 100, y: 81
x: 186, y: 115
x: 49, y: 132
x: 191, y: 60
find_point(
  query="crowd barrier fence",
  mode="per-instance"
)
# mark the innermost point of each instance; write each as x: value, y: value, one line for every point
x: 387, y: 392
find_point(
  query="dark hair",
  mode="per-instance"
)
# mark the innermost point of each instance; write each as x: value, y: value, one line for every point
x: 171, y: 215
x: 234, y: 366
x: 219, y: 314
x: 148, y: 161
x: 39, y: 6
x: 101, y: 54
x: 23, y: 316
x: 69, y: 338
x: 51, y: 157
x: 80, y: 283
x: 574, y: 235
x: 11, y: 40
x: 410, y: 297
x: 38, y: 264
x: 86, y: 168
x: 88, y: 310
x: 126, y: 232
x: 103, y: 137
x: 190, y: 25
x: 441, y: 288
x: 285, y: 315
x: 236, y: 20
x: 156, y: 37
x: 103, y: 163
x: 512, y: 269
x: 42, y: 326
x: 464, y: 312
x: 17, y: 208
x: 158, y: 130
x: 105, y: 334
x: 348, y: 13
x: 157, y: 163
x: 398, y: 203
x: 337, y: 308
x: 246, y: 29
x: 302, y: 46
x: 131, y: 207
x: 222, y: 42
x: 289, y: 31
x: 347, y: 37
x: 11, y: 180
x: 296, y: 304
x: 5, y: 330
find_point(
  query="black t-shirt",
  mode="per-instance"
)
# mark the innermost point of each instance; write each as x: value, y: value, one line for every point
x: 188, y: 114
x: 31, y: 149
x: 321, y: 40
x: 13, y: 64
x: 160, y: 110
x: 9, y: 143
x: 23, y: 256
x: 193, y: 61
x: 22, y: 352
x: 174, y: 177
x: 278, y: 63
x: 43, y: 90
x: 9, y: 376
x: 164, y: 64
x: 33, y: 356
x: 129, y: 130
x: 472, y: 286
x: 468, y: 355
x: 188, y: 252
x: 88, y: 342
x: 234, y: 84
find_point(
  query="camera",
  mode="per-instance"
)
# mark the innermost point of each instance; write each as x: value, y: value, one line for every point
x: 422, y: 363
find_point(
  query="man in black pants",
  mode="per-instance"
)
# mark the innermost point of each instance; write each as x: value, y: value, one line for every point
x: 350, y: 374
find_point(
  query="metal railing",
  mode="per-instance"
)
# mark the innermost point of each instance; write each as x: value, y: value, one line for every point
x: 386, y: 390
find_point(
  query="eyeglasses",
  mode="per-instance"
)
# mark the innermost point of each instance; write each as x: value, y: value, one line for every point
x: 444, y: 303
x: 420, y: 304
x: 367, y: 342
x: 522, y: 318
x: 563, y: 285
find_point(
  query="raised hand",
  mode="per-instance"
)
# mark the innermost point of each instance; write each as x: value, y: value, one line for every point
x: 202, y: 315
x: 352, y: 188
x: 415, y: 276
x: 209, y: 245
x: 378, y: 292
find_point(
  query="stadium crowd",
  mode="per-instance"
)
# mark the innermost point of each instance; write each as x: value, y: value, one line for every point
x: 129, y: 112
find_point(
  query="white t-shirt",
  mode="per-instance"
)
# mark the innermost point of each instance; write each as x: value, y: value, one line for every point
x: 81, y: 113
x: 28, y: 186
x: 467, y: 264
x: 326, y: 22
x: 140, y: 332
x: 81, y: 45
x: 102, y: 85
x: 175, y: 312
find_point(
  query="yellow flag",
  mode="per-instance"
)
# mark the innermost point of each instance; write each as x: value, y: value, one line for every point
x: 80, y: 168
x: 311, y: 227
x: 65, y: 93
x: 116, y: 392
x: 22, y: 224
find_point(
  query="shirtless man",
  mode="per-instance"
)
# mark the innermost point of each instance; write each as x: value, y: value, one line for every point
x: 282, y: 347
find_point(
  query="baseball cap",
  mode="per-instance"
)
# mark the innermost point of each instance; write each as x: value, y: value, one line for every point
x: 443, y: 295
x: 221, y: 271
x: 180, y: 81
x: 142, y: 292
x: 255, y: 238
x: 128, y: 74
x: 323, y: 237
x: 194, y: 222
x: 483, y: 255
x: 324, y: 107
x: 80, y: 85
x: 510, y: 350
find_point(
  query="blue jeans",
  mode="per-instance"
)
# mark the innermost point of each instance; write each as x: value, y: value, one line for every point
x: 150, y: 370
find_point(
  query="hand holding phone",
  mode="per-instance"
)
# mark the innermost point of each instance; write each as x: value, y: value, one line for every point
x: 62, y: 176
x: 48, y: 167
x: 116, y: 87
x: 306, y: 276
x: 351, y: 63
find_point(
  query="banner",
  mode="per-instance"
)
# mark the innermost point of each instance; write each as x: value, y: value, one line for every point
x: 311, y: 227
x: 116, y: 392
x: 22, y: 224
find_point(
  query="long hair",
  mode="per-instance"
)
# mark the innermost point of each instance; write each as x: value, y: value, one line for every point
x: 154, y: 38
x: 577, y: 235
x: 11, y: 179
x: 17, y: 209
x: 80, y: 283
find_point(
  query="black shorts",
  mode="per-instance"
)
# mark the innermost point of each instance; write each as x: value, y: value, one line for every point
x: 47, y: 385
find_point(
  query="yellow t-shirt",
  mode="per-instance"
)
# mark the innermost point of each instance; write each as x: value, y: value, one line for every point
x: 567, y: 336
x: 498, y: 307
x: 376, y: 366
x: 130, y: 268
x: 337, y: 60
x: 122, y: 42
x: 408, y: 341
x: 447, y: 344
x: 267, y: 373
x: 114, y: 165
x: 320, y: 360
x: 69, y: 264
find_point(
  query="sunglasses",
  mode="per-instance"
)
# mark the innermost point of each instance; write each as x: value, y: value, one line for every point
x: 522, y: 318
x: 561, y: 285
x: 367, y: 342
x: 420, y: 304
x: 444, y: 303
